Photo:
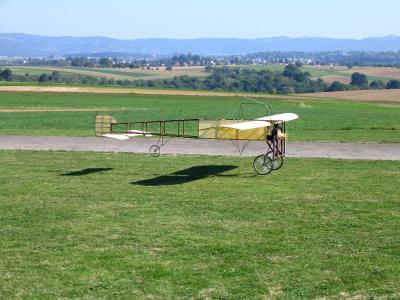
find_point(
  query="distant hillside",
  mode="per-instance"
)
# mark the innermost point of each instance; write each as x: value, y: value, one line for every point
x: 36, y: 46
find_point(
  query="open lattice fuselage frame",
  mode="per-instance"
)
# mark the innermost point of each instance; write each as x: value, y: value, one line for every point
x: 184, y: 128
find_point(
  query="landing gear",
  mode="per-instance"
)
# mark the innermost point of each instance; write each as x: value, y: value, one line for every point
x: 277, y: 161
x: 276, y: 143
x: 155, y: 151
x: 263, y: 164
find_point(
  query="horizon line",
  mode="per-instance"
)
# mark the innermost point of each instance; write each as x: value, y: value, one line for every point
x: 199, y: 38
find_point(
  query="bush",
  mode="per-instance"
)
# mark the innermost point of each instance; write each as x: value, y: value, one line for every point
x: 377, y: 85
x: 359, y: 80
x: 337, y: 86
x: 6, y: 75
x: 393, y: 84
x: 43, y: 78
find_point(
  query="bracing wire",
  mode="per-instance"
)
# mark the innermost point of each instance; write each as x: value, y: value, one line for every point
x: 268, y: 107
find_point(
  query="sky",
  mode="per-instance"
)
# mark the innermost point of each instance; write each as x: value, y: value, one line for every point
x: 185, y: 19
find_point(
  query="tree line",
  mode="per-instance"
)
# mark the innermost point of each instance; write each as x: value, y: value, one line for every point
x: 120, y: 60
x: 290, y: 80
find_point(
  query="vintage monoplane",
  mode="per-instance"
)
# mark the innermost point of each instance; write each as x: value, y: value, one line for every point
x: 271, y: 129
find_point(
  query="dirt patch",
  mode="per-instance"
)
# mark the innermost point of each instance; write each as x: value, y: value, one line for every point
x: 304, y: 105
x: 364, y: 95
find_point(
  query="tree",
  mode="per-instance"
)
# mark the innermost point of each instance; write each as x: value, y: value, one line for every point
x: 336, y: 86
x: 294, y: 72
x: 377, y: 85
x: 6, y: 75
x: 393, y: 84
x: 290, y: 71
x: 358, y: 79
x: 105, y: 62
x: 55, y: 76
x: 43, y: 78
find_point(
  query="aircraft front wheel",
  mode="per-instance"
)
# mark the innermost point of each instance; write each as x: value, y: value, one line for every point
x: 263, y: 164
x: 155, y: 151
x: 277, y: 163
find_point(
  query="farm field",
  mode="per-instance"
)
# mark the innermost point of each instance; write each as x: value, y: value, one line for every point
x: 364, y: 95
x: 80, y: 88
x: 73, y: 114
x: 377, y: 72
x: 327, y: 73
x: 337, y: 73
x: 130, y: 74
x: 90, y: 225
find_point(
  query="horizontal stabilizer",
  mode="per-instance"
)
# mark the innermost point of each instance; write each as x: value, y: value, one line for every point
x: 126, y: 136
x: 140, y: 133
x: 120, y: 137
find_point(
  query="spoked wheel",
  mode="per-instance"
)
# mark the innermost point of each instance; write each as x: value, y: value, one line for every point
x: 277, y: 163
x: 155, y: 151
x: 263, y: 164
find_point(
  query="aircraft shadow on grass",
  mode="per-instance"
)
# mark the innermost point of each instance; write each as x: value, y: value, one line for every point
x: 187, y: 175
x: 86, y: 171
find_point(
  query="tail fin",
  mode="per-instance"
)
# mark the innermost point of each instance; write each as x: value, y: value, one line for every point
x: 103, y: 124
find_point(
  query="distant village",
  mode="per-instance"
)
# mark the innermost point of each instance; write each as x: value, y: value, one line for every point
x: 121, y: 60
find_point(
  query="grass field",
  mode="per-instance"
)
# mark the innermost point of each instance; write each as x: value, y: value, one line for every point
x: 92, y: 226
x: 73, y: 114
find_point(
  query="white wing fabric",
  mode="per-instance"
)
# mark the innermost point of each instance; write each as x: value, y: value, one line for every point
x: 281, y: 117
x: 248, y: 125
x: 262, y: 122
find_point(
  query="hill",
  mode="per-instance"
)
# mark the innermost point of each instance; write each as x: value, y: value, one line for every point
x: 34, y: 45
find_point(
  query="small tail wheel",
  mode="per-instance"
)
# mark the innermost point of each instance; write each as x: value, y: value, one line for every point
x: 155, y: 151
x: 263, y: 164
x: 277, y: 163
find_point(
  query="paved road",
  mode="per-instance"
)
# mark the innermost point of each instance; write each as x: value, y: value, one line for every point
x: 203, y: 147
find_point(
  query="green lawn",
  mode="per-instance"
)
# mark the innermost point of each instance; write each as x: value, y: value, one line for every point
x: 320, y: 120
x: 93, y: 226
